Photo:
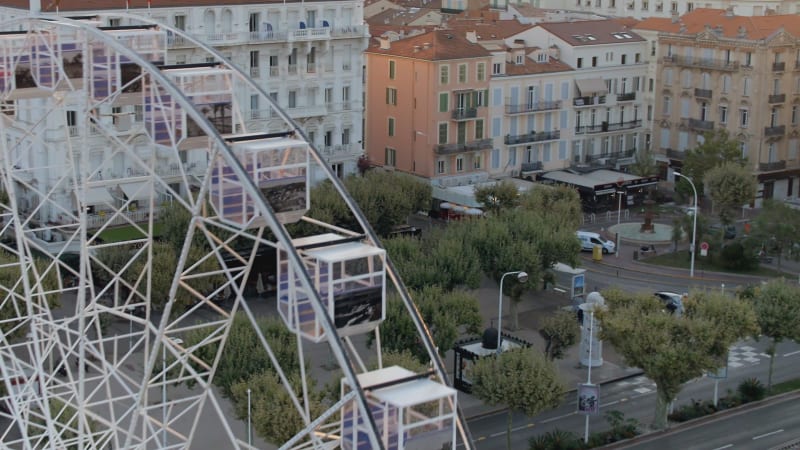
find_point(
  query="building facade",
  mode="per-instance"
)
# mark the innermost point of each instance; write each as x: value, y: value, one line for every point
x: 306, y: 55
x: 641, y: 9
x: 742, y: 75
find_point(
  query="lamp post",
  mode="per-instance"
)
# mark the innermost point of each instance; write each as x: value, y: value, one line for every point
x: 694, y: 225
x: 176, y: 341
x: 619, y: 206
x: 521, y: 277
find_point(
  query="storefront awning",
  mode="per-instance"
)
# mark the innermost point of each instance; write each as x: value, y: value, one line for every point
x: 98, y: 196
x: 137, y: 191
x: 592, y: 86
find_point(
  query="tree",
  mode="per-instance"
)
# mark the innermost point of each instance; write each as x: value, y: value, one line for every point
x: 730, y: 186
x: 449, y: 261
x: 560, y: 204
x: 717, y: 147
x: 385, y: 198
x: 777, y: 307
x: 672, y: 350
x: 777, y: 226
x: 644, y: 163
x: 244, y: 355
x: 522, y: 379
x: 498, y: 196
x: 11, y: 278
x: 677, y: 233
x: 66, y: 423
x: 560, y: 331
x: 447, y: 314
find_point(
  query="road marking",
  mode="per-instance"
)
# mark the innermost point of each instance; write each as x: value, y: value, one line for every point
x: 497, y: 434
x: 768, y: 434
x: 523, y: 427
x: 792, y: 353
x: 557, y: 417
x: 724, y: 446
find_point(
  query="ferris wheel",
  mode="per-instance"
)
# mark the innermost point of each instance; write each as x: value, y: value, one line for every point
x: 98, y: 134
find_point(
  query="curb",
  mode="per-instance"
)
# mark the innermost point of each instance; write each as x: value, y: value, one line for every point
x: 568, y: 391
x: 714, y: 275
x: 700, y: 421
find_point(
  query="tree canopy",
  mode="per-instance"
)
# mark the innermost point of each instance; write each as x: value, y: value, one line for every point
x: 672, y: 350
x: 777, y: 227
x: 718, y: 147
x: 730, y: 186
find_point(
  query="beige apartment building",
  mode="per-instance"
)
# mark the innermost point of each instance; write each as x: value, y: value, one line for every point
x: 742, y: 74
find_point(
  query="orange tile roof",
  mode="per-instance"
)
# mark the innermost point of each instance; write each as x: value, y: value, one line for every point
x: 489, y: 29
x: 601, y: 32
x: 531, y: 67
x: 696, y: 21
x: 442, y: 45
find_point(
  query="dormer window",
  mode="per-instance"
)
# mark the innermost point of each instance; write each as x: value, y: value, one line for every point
x: 541, y: 57
x: 520, y: 59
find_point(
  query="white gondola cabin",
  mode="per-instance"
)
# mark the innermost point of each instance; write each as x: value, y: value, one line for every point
x: 349, y: 276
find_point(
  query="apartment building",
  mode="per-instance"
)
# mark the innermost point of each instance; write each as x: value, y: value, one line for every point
x: 742, y: 74
x: 501, y: 98
x: 306, y: 54
x: 641, y: 9
x: 605, y: 107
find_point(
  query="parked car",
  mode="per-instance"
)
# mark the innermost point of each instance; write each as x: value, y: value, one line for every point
x: 589, y: 240
x: 672, y: 301
x: 729, y: 231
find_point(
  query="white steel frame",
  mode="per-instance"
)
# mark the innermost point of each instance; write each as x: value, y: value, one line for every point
x: 112, y: 381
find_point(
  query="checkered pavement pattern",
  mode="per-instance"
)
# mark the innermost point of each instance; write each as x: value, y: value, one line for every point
x: 744, y: 355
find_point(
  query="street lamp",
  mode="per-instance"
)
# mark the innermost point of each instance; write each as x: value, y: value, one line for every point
x: 521, y: 277
x: 694, y: 226
x: 176, y: 341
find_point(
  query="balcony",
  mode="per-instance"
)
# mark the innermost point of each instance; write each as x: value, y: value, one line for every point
x: 480, y: 144
x: 704, y: 63
x: 532, y: 137
x: 532, y: 107
x: 611, y: 156
x: 589, y: 101
x: 465, y: 113
x: 774, y: 165
x: 626, y: 97
x: 531, y: 166
x: 606, y: 127
x: 701, y: 125
x: 702, y: 93
x: 309, y: 34
x: 775, y: 131
x: 449, y: 149
x: 778, y: 66
x: 777, y: 98
x: 675, y: 154
x: 304, y: 112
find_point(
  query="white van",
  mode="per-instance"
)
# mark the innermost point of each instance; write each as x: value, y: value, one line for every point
x: 589, y: 240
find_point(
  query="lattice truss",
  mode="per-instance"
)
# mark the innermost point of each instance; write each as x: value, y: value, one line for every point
x: 96, y: 132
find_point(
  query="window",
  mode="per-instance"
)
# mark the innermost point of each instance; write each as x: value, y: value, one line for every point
x: 637, y: 58
x: 726, y: 84
x: 329, y: 96
x: 346, y: 97
x: 444, y: 74
x: 345, y: 136
x: 443, y: 133
x: 444, y: 102
x: 440, y: 166
x: 479, y: 133
x: 773, y: 117
x: 462, y: 73
x: 460, y: 164
x: 116, y: 111
x: 390, y: 157
x: 391, y: 126
x: 391, y: 96
x: 254, y: 59
x: 743, y: 117
x: 624, y: 59
x: 723, y: 114
x: 512, y: 157
x: 72, y: 118
x: 481, y: 75
x: 748, y: 59
x: 496, y: 68
x: 776, y: 86
x: 580, y: 63
x: 653, y: 48
x: 114, y: 22
x: 686, y: 77
x: 668, y: 77
x: 667, y: 108
x: 645, y: 5
x: 594, y: 61
x: 746, y: 87
x: 180, y: 22
x: 292, y: 99
x: 495, y: 158
x: 253, y: 22
x: 391, y: 70
x: 482, y: 98
x: 477, y: 161
x: 794, y: 115
x: 674, y: 7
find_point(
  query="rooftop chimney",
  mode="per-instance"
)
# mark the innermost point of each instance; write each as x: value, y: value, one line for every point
x: 35, y: 7
x: 675, y: 17
x: 386, y: 44
x: 729, y: 11
x: 472, y: 36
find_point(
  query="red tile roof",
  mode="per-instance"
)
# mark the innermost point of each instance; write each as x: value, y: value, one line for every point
x: 592, y: 32
x: 697, y: 21
x: 433, y: 46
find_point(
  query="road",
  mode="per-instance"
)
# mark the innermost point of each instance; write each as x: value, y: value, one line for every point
x: 635, y: 398
x: 763, y: 427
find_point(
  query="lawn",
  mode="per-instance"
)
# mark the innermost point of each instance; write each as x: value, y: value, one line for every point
x: 126, y: 233
x: 681, y: 259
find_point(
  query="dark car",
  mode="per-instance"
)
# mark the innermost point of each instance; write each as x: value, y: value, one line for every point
x: 672, y: 301
x: 728, y: 231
